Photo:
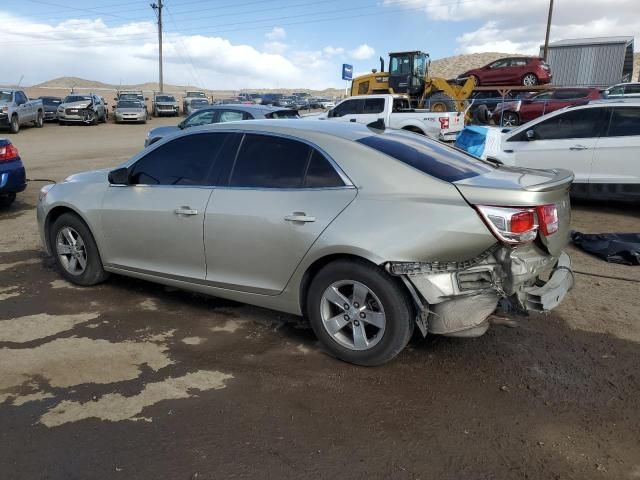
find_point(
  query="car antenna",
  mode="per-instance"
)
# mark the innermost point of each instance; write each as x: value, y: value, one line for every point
x: 377, y: 125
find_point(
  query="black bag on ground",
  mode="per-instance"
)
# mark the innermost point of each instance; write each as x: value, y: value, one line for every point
x: 621, y: 248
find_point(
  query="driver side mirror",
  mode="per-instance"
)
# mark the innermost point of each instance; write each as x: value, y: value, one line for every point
x: 119, y: 176
x: 531, y: 135
x: 182, y: 125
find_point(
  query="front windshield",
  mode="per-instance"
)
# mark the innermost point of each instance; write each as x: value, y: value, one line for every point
x: 51, y: 101
x: 129, y: 104
x: 199, y: 103
x: 165, y: 98
x: 196, y: 94
x: 77, y: 98
x: 130, y: 96
x: 5, y: 96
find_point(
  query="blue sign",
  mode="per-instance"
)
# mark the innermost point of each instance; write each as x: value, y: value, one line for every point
x: 347, y: 71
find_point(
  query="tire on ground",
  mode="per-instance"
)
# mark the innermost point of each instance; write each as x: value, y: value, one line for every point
x: 94, y: 272
x: 394, y: 299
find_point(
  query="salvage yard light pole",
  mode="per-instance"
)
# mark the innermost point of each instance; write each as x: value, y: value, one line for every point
x: 158, y: 9
x: 546, y: 39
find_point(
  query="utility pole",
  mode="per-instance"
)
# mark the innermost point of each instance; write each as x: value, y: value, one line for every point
x: 158, y: 9
x: 546, y: 39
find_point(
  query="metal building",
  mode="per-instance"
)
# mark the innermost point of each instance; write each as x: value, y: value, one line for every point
x: 597, y: 62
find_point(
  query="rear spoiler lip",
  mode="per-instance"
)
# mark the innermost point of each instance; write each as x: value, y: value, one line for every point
x: 563, y: 177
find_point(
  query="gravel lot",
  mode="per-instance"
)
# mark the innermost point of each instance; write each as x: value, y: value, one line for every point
x: 136, y: 381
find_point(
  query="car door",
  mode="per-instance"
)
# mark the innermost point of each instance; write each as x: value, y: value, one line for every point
x: 281, y: 194
x: 516, y: 70
x: 616, y: 163
x: 495, y: 72
x: 566, y: 140
x: 348, y: 110
x: 24, y: 109
x: 156, y: 223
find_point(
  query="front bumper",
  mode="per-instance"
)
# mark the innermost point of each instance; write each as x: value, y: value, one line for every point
x: 166, y: 110
x: 130, y: 117
x: 48, y: 115
x: 456, y: 298
x: 4, y: 119
x: 12, y: 177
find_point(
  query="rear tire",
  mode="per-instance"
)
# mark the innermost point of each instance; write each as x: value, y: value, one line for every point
x: 14, y: 126
x: 374, y: 323
x: 75, y: 251
x: 510, y: 119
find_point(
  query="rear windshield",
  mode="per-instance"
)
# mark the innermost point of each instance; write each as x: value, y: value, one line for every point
x: 283, y: 114
x: 426, y: 155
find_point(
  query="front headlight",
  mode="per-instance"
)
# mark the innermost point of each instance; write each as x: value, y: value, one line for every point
x: 44, y: 190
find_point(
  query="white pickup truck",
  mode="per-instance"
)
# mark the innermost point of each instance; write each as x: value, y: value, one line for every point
x: 396, y: 112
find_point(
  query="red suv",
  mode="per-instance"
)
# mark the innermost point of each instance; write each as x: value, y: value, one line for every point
x: 521, y: 111
x: 526, y: 71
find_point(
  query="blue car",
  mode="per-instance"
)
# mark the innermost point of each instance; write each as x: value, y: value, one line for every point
x: 12, y: 174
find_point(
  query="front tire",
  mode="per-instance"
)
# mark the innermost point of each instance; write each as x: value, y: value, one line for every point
x: 529, y: 80
x: 359, y: 312
x: 6, y: 199
x: 75, y: 251
x: 39, y: 123
x: 14, y: 126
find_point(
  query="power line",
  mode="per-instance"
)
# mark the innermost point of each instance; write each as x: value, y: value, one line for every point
x: 195, y: 74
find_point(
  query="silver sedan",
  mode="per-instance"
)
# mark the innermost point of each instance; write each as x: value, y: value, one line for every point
x: 367, y: 233
x: 130, y: 111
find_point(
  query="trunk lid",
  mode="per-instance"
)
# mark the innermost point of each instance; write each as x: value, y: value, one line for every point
x: 524, y: 187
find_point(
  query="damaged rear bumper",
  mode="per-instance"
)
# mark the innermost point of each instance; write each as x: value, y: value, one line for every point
x: 456, y: 298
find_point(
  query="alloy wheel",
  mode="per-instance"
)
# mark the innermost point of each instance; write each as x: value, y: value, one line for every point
x: 353, y: 315
x: 529, y: 80
x: 510, y: 119
x: 71, y: 251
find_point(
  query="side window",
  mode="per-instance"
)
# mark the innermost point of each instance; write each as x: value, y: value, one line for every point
x: 499, y: 64
x: 569, y: 94
x: 632, y: 89
x: 202, y: 118
x: 321, y: 174
x: 619, y: 90
x: 625, y: 122
x: 230, y: 116
x: 583, y: 123
x: 20, y: 98
x: 518, y: 62
x: 348, y: 107
x: 270, y: 162
x: 184, y: 161
x: 373, y: 105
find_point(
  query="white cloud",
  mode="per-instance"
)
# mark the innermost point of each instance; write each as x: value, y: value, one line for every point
x: 128, y: 54
x: 363, y: 52
x: 333, y: 51
x: 519, y: 27
x: 278, y: 33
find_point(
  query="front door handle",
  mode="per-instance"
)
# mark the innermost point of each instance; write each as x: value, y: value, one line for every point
x: 352, y: 120
x: 578, y: 147
x: 299, y: 217
x: 185, y: 211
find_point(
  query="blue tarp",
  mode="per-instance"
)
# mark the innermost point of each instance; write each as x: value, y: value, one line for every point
x: 472, y: 140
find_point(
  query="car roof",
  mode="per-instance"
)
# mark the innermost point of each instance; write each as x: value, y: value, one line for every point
x: 295, y: 127
x: 246, y: 107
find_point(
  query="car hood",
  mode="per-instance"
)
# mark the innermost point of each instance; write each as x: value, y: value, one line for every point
x: 163, y: 131
x: 91, y: 176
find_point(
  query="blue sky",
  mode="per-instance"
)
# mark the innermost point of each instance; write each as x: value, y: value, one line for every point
x: 277, y: 43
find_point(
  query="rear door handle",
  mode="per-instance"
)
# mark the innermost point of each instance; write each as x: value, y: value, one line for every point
x: 299, y: 217
x: 185, y: 211
x: 578, y: 147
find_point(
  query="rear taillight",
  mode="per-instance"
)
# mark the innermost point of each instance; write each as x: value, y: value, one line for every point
x: 514, y: 225
x: 548, y: 219
x: 8, y: 153
x: 444, y: 122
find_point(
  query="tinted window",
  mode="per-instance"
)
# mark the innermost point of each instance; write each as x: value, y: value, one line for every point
x: 283, y: 114
x: 373, y: 105
x: 569, y: 94
x: 51, y: 101
x: 427, y: 155
x: 270, y: 162
x: 321, y: 173
x: 230, y: 116
x: 632, y: 89
x: 201, y: 118
x: 625, y: 121
x: 183, y: 161
x: 584, y: 123
x: 20, y: 98
x: 348, y: 107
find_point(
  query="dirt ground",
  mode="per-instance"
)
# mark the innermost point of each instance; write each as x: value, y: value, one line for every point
x: 133, y: 380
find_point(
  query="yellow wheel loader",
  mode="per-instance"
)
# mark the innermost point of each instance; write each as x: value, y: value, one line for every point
x: 409, y: 74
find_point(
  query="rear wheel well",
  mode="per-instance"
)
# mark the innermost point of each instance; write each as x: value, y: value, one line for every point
x: 319, y: 264
x: 413, y: 129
